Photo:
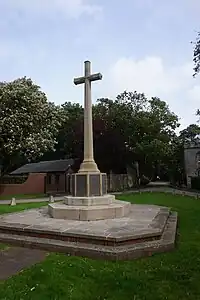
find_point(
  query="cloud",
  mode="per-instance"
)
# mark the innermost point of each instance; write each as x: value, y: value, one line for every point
x: 150, y: 75
x: 194, y: 94
x: 66, y: 8
x: 173, y: 84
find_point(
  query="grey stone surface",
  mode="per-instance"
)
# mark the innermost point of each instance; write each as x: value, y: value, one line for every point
x: 86, y: 201
x: 91, y: 250
x: 81, y: 185
x: 141, y: 218
x: 88, y: 184
x: 95, y: 189
x: 115, y: 209
x: 104, y: 184
x: 146, y: 230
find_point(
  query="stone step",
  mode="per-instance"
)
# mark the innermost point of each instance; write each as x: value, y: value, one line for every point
x: 117, y: 238
x: 122, y: 252
x: 160, y: 220
x: 113, y: 209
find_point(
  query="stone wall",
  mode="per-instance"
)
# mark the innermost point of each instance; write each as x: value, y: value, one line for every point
x: 120, y: 182
x: 33, y: 185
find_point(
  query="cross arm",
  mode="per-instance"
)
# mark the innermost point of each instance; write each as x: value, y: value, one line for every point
x: 79, y: 80
x: 94, y: 77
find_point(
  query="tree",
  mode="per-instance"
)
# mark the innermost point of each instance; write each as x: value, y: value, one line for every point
x: 70, y: 136
x: 28, y: 122
x: 128, y: 129
x: 135, y: 129
x: 196, y: 55
x: 176, y: 168
x: 190, y: 134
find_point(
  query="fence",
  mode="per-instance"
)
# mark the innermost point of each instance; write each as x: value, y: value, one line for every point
x: 121, y: 182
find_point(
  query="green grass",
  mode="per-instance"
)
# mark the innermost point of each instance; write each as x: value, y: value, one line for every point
x: 4, y: 209
x: 22, y: 196
x: 171, y: 276
x: 3, y: 247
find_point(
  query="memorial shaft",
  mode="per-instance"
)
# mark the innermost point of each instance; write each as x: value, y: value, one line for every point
x: 88, y: 164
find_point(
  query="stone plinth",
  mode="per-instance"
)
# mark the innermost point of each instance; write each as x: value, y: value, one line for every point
x: 88, y: 184
x: 86, y: 201
x: 116, y: 209
x: 147, y: 229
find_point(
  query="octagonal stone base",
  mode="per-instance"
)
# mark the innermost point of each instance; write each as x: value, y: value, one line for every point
x: 116, y: 209
x: 146, y: 230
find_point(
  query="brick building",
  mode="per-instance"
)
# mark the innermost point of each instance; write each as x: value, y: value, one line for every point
x: 56, y: 179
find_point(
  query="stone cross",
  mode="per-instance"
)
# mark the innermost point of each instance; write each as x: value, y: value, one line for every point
x: 88, y: 165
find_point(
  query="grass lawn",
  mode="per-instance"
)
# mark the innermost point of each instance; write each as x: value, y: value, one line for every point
x: 22, y: 196
x: 4, y: 209
x: 171, y: 276
x: 3, y: 247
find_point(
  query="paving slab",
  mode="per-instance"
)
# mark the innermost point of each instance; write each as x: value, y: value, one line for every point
x: 123, y: 252
x: 141, y: 219
x: 146, y: 228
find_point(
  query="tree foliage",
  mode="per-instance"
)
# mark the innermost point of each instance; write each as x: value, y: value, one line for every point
x: 131, y: 128
x: 196, y: 55
x: 144, y: 126
x: 28, y: 122
x: 128, y: 129
x: 190, y: 134
x: 70, y: 136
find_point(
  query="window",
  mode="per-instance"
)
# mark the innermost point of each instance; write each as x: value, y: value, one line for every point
x: 57, y: 178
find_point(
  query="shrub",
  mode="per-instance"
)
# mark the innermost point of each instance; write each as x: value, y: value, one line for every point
x: 13, y: 179
x: 144, y: 180
x: 195, y: 183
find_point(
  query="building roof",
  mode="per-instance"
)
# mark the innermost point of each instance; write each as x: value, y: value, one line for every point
x: 45, y: 167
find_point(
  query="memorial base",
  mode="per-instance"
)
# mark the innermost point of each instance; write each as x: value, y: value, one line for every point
x: 94, y: 212
x: 87, y: 201
x: 88, y: 184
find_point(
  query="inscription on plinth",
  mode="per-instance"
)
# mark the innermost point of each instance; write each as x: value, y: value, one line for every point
x: 81, y: 185
x: 104, y: 184
x: 88, y: 184
x: 95, y: 188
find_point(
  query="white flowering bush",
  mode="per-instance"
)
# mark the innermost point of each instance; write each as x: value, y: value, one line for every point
x: 28, y: 122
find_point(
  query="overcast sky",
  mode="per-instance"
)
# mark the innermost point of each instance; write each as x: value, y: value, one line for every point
x: 141, y: 45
